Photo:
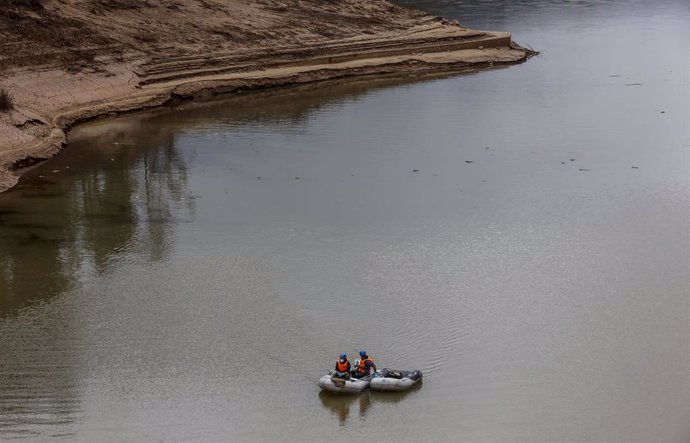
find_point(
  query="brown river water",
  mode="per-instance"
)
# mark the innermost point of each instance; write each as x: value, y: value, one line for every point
x: 520, y: 235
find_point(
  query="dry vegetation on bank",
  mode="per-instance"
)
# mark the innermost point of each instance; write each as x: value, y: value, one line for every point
x: 6, y: 101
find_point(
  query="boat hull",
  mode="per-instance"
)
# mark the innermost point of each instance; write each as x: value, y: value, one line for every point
x: 391, y: 380
x: 338, y: 385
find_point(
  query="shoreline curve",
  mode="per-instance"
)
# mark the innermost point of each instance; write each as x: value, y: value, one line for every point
x: 49, y: 99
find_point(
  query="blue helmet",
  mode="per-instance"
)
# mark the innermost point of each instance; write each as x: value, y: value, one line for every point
x: 343, y: 356
x: 362, y: 353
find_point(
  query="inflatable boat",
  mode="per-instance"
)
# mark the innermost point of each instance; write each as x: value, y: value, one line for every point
x: 330, y: 382
x: 394, y: 380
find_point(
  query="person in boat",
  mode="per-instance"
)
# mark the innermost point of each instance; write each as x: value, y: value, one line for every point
x: 342, y: 367
x: 366, y: 364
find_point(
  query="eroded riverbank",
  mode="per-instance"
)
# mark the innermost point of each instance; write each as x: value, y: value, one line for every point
x: 108, y: 74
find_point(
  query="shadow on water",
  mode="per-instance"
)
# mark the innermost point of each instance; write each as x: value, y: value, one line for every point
x: 343, y: 405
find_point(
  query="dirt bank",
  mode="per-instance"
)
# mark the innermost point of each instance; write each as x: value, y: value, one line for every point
x: 64, y: 61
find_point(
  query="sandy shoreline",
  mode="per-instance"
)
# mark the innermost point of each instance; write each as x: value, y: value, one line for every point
x: 50, y: 97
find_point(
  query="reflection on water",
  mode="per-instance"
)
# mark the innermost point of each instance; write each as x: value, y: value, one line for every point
x: 97, y: 203
x: 518, y: 235
x: 89, y: 208
x: 62, y: 225
x: 342, y: 405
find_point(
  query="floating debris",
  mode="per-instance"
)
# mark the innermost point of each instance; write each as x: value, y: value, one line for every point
x: 583, y: 169
x: 468, y: 161
x: 415, y: 170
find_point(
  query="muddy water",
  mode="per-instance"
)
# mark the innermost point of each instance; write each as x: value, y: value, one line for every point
x: 520, y: 235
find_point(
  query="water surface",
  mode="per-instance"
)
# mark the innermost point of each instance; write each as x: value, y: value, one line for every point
x: 520, y: 235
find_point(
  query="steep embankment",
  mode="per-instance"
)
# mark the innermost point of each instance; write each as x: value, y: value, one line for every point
x: 67, y: 60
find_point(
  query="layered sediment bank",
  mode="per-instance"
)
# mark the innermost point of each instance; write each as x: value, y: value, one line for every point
x: 64, y: 61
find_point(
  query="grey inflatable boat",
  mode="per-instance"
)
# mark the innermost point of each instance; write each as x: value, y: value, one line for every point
x: 330, y: 382
x: 395, y: 380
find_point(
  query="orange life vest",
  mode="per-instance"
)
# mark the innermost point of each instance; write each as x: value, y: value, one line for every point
x: 342, y: 366
x: 363, y: 364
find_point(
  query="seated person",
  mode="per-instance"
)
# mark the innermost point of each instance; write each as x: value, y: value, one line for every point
x: 342, y: 367
x: 366, y: 364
